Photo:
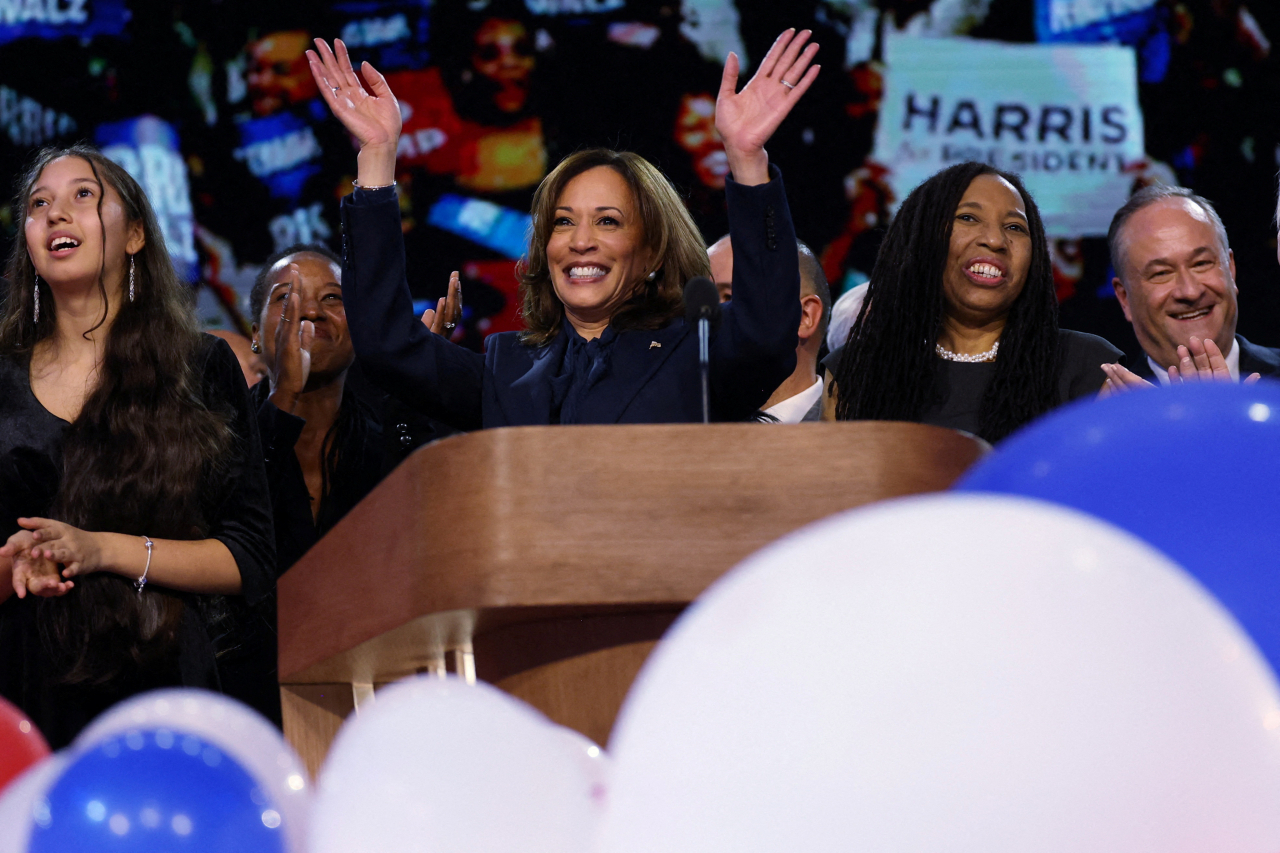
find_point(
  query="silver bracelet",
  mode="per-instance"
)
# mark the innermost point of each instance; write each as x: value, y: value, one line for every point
x: 383, y: 187
x: 142, y: 581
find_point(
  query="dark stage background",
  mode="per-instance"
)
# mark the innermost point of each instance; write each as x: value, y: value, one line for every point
x: 211, y: 105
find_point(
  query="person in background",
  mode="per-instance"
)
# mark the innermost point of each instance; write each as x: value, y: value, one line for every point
x: 250, y: 362
x: 799, y: 397
x: 323, y: 444
x: 133, y: 498
x: 844, y: 313
x: 964, y: 332
x: 611, y: 249
x: 1175, y: 280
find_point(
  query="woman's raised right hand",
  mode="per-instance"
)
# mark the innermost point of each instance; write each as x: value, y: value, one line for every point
x: 372, y: 116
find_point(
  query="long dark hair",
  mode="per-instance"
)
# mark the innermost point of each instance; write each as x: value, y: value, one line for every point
x: 889, y: 363
x: 134, y: 459
x: 349, y: 429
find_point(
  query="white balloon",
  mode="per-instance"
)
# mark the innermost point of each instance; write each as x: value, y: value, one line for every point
x: 19, y: 804
x: 591, y: 758
x: 237, y: 729
x: 437, y: 764
x: 954, y: 672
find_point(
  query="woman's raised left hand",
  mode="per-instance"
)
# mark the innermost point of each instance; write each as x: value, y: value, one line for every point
x: 748, y: 118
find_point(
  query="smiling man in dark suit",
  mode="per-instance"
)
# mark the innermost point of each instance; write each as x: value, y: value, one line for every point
x: 1175, y: 279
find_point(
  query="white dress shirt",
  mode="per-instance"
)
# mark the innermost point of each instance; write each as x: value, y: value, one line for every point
x: 793, y: 409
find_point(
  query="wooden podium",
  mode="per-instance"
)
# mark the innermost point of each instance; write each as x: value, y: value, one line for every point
x: 549, y: 560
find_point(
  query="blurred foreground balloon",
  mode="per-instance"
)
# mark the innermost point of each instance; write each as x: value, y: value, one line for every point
x: 436, y: 764
x: 235, y: 729
x: 20, y: 801
x: 1195, y: 471
x: 156, y: 790
x: 21, y: 744
x: 955, y: 672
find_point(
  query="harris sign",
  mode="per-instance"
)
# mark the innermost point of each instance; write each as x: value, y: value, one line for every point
x: 1066, y: 118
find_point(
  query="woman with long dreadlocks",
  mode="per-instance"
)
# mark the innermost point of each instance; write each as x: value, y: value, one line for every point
x: 134, y: 512
x: 960, y: 324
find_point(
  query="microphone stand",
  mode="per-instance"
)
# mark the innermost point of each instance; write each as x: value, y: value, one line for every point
x: 704, y: 361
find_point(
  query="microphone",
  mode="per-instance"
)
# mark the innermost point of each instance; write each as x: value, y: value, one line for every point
x: 701, y: 300
x: 702, y: 306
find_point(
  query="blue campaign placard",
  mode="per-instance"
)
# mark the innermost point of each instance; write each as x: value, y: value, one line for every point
x: 58, y: 19
x: 281, y: 151
x: 391, y: 35
x: 491, y: 225
x: 1093, y: 21
x: 147, y: 148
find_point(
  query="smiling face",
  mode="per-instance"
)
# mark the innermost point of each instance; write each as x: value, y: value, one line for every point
x: 990, y: 253
x: 596, y: 252
x: 64, y: 234
x: 320, y: 283
x: 278, y: 74
x: 1177, y: 280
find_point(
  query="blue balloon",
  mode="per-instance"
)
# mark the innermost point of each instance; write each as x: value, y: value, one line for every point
x: 1195, y: 471
x: 155, y: 791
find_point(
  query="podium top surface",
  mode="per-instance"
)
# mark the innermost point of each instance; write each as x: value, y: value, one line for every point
x: 587, y: 517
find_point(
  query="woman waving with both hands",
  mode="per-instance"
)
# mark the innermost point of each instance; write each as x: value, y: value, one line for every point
x: 611, y: 248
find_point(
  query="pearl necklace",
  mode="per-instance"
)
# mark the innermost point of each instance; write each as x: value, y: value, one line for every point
x: 989, y: 355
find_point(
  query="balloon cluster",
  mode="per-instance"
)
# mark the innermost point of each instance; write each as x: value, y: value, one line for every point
x: 463, y: 767
x: 166, y: 770
x: 1073, y: 650
x: 1068, y: 652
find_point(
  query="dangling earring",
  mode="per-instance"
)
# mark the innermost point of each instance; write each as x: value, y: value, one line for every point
x: 131, y: 278
x: 36, y: 290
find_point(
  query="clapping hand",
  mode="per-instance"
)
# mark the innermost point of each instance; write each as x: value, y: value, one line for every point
x: 748, y: 118
x: 444, y: 318
x: 1199, y: 361
x: 35, y: 567
x: 1121, y: 379
x: 1202, y: 361
x: 292, y: 365
x: 372, y: 116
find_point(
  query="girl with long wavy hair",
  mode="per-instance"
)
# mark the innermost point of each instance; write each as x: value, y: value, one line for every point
x: 133, y: 499
x: 960, y: 324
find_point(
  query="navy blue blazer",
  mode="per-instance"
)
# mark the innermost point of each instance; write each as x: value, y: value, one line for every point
x: 653, y: 375
x: 1253, y: 359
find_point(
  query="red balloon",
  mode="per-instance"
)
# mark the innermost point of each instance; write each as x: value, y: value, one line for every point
x: 21, y: 743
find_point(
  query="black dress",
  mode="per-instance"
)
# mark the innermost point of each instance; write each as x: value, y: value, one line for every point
x: 212, y: 626
x: 958, y: 387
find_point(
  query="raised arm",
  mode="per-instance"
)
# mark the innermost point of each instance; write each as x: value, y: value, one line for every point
x: 754, y: 350
x: 399, y: 354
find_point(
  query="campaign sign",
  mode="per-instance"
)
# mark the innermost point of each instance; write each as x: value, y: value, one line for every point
x: 391, y: 34
x: 55, y: 19
x: 282, y: 150
x: 1066, y: 118
x: 1126, y: 21
x: 495, y: 227
x: 147, y: 148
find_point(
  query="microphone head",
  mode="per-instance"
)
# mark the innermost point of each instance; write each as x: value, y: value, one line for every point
x: 701, y: 300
